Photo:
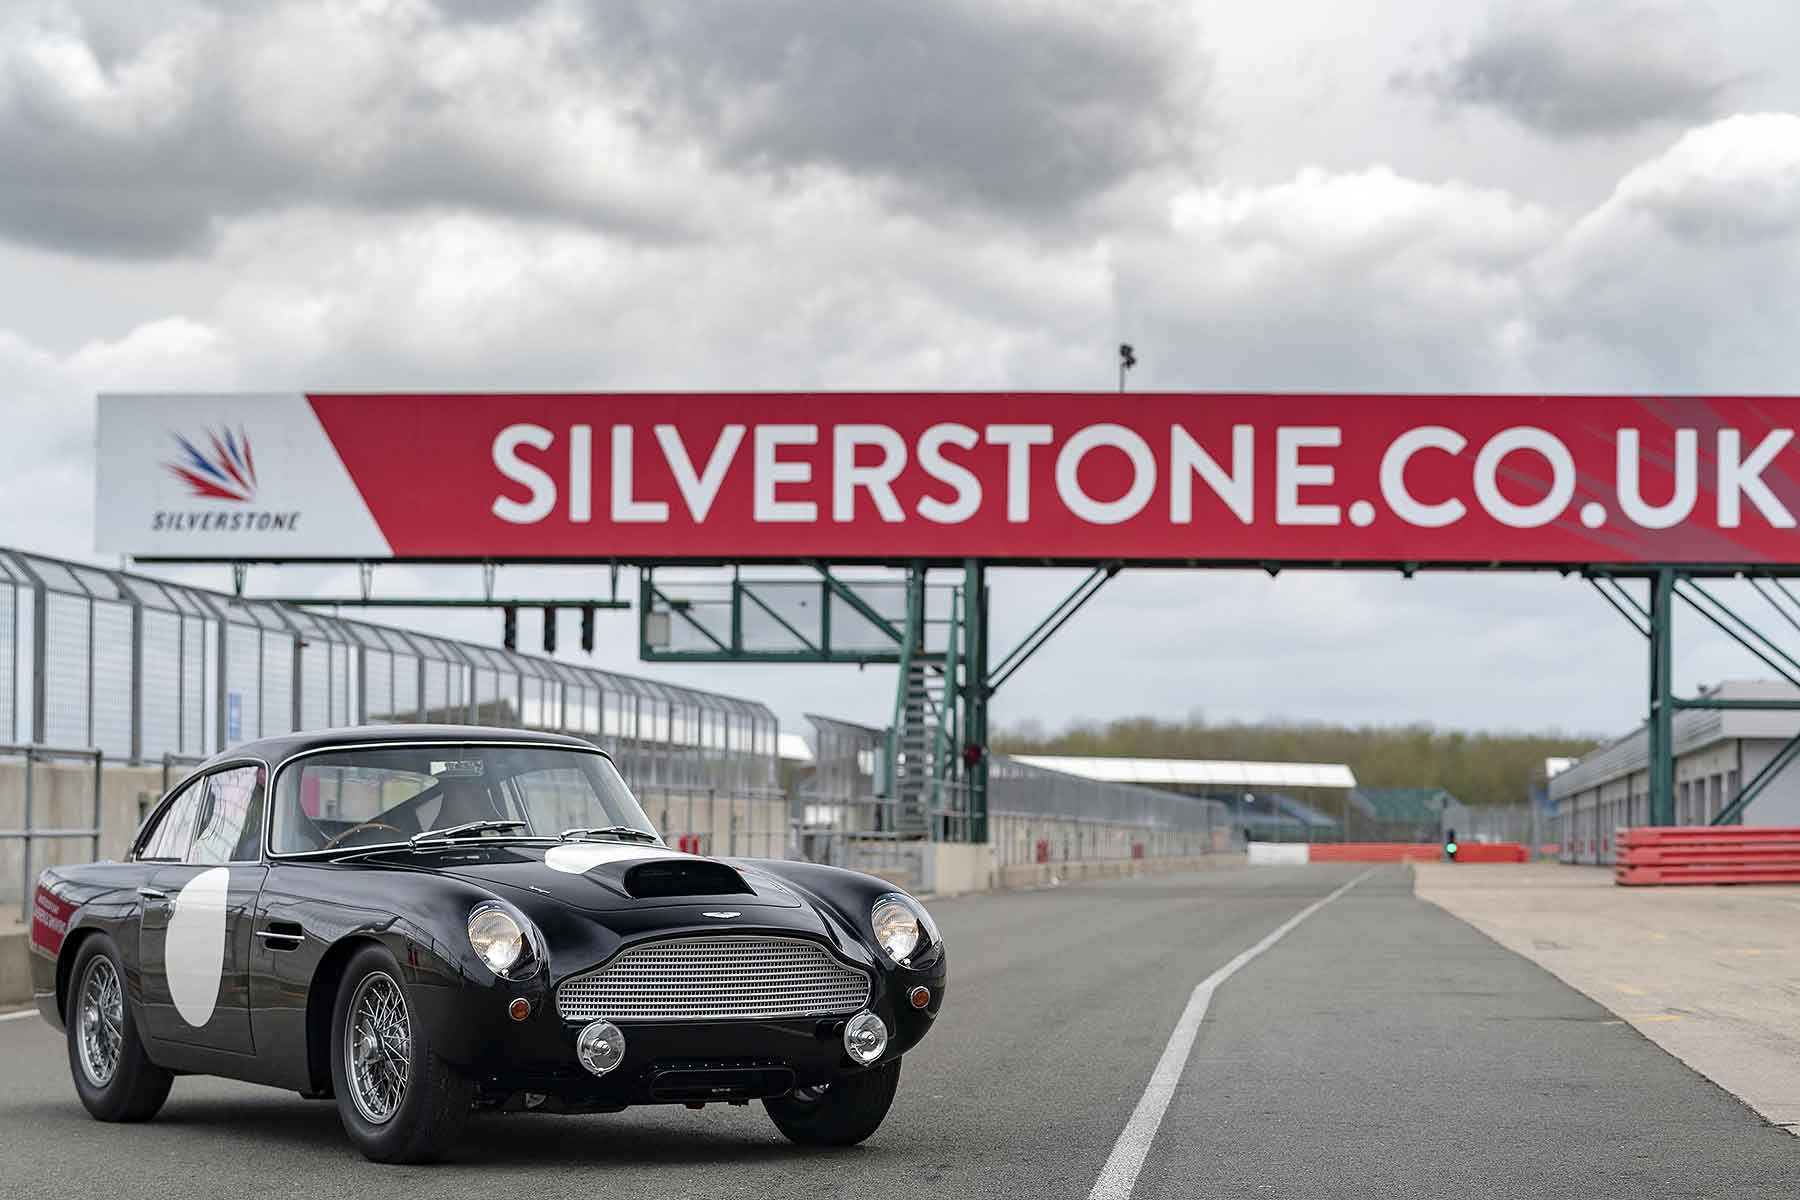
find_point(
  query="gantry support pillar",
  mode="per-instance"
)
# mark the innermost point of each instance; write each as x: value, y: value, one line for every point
x: 1662, y: 697
x: 975, y: 693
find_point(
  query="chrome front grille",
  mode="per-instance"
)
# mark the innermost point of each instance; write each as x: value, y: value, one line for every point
x: 715, y: 978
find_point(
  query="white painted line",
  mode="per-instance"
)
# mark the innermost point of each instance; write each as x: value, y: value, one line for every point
x: 1120, y: 1173
x: 20, y: 1015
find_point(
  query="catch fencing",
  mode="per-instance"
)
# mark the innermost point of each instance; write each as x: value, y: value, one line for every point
x: 1041, y: 816
x: 1527, y: 824
x: 1035, y: 815
x: 148, y: 677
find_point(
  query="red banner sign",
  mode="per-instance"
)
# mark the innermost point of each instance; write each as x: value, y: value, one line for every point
x: 1062, y: 476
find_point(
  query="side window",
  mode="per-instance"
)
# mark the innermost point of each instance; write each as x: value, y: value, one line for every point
x: 169, y: 839
x: 230, y: 828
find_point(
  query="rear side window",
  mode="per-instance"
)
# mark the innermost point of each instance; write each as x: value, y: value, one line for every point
x: 173, y: 832
x: 230, y: 822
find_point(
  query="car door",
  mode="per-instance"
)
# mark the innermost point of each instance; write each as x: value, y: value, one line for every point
x: 198, y: 908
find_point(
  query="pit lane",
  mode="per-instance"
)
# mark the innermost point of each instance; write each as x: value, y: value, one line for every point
x: 1380, y: 1048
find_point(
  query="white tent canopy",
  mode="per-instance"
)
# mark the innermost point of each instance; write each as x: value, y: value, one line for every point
x: 1193, y: 772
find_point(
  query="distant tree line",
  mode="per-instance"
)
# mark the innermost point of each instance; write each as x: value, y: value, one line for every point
x: 1478, y: 768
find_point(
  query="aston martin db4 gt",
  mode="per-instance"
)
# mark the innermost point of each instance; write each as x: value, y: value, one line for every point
x: 420, y: 921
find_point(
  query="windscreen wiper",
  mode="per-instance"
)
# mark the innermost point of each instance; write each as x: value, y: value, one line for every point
x: 627, y: 831
x: 445, y: 834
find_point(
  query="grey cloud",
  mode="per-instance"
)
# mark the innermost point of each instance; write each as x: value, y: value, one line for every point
x: 138, y: 132
x: 1026, y: 109
x: 133, y: 137
x: 1578, y: 67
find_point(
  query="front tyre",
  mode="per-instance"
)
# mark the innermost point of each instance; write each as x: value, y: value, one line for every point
x: 399, y: 1102
x: 841, y: 1114
x: 113, y: 1076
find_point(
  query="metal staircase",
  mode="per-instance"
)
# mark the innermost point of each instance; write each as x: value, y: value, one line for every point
x: 924, y: 760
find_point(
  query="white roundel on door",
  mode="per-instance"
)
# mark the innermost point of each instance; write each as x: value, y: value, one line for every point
x: 196, y: 945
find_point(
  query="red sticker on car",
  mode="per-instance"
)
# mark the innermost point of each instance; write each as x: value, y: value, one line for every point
x: 50, y: 915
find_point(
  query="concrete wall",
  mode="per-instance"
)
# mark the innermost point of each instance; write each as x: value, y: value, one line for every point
x: 726, y: 825
x: 1050, y: 875
x: 952, y: 868
x: 63, y: 798
x: 1015, y: 838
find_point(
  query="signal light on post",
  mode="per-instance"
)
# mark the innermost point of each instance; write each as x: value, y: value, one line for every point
x: 549, y: 630
x: 509, y: 627
x: 1450, y: 845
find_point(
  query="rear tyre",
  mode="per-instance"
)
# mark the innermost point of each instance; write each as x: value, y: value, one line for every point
x: 113, y: 1076
x: 399, y: 1102
x: 842, y: 1114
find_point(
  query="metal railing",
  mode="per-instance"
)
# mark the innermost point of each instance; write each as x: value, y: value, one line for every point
x: 752, y: 823
x: 186, y: 764
x: 32, y: 754
x: 142, y: 668
x: 865, y: 833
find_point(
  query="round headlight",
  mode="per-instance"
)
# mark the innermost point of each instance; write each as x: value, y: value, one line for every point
x: 896, y: 926
x: 497, y: 938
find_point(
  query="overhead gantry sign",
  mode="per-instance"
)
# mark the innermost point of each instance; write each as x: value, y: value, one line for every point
x: 1341, y: 479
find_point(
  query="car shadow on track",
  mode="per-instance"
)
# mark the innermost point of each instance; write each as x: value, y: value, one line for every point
x: 509, y: 1139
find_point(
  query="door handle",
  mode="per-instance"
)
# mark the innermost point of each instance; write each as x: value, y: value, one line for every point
x: 150, y: 893
x: 288, y: 937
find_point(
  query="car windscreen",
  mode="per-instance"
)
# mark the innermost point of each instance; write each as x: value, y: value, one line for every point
x: 359, y: 797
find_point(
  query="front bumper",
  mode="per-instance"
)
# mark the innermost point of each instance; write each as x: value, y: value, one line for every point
x: 526, y: 1063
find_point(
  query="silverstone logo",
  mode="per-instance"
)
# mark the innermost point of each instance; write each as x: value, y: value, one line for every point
x: 224, y: 472
x: 228, y: 473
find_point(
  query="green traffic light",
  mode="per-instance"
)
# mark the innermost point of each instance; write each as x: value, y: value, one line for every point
x: 1449, y: 847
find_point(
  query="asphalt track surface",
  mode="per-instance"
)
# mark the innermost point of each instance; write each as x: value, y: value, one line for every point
x: 1381, y: 1048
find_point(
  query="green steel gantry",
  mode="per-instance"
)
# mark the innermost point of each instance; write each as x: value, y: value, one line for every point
x: 1654, y: 619
x: 936, y: 762
x: 947, y: 675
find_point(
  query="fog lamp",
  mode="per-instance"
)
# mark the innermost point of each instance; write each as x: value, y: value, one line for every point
x: 601, y: 1047
x: 865, y: 1037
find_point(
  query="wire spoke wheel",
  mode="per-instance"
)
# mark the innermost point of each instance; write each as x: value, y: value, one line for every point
x: 101, y: 1013
x: 378, y: 1047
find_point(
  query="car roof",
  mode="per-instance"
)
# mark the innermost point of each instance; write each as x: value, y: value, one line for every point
x: 282, y: 746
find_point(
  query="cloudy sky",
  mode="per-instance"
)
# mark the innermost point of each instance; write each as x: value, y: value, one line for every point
x: 1478, y: 195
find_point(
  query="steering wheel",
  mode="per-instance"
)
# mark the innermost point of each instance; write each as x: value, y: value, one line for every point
x: 331, y: 843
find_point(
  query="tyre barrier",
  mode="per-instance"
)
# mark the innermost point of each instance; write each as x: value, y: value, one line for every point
x: 1703, y: 854
x: 1493, y: 852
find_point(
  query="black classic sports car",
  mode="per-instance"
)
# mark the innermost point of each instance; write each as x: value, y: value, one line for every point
x: 422, y: 921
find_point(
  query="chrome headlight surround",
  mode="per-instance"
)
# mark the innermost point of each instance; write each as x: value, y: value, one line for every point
x: 504, y: 940
x: 901, y: 927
